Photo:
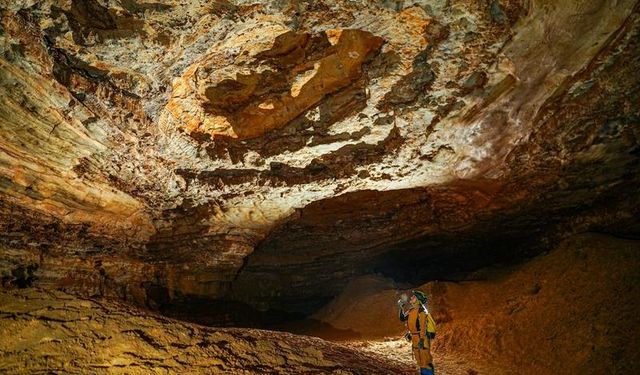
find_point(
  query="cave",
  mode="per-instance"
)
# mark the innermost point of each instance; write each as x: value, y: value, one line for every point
x: 251, y: 187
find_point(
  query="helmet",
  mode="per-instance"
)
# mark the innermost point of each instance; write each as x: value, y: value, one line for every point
x: 420, y: 296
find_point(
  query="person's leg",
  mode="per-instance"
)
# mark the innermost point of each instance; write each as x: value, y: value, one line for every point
x: 416, y: 356
x: 416, y: 350
x: 424, y: 362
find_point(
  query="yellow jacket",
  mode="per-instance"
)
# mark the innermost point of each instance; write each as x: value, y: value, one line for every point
x: 420, y: 322
x: 423, y: 330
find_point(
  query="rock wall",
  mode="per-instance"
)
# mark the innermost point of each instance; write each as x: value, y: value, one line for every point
x: 270, y: 151
x: 573, y: 310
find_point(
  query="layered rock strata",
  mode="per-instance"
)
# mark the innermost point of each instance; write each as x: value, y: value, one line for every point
x: 54, y: 332
x: 269, y: 152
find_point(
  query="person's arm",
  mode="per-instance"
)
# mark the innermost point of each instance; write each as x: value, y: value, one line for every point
x: 401, y: 314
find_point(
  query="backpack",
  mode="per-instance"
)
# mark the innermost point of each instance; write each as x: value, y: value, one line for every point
x: 431, y: 327
x: 431, y: 324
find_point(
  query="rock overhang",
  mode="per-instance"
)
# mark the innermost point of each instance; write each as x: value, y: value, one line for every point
x: 436, y: 94
x: 268, y: 88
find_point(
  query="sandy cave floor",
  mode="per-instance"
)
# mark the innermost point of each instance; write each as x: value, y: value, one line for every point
x: 564, y: 312
x: 54, y: 332
x: 397, y: 350
x: 57, y: 333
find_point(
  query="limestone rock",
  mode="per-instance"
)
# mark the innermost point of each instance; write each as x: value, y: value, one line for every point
x: 271, y: 151
x: 57, y: 332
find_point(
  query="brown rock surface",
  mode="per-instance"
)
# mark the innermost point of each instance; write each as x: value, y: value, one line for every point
x: 54, y: 332
x: 302, y: 70
x: 269, y: 152
x: 571, y: 311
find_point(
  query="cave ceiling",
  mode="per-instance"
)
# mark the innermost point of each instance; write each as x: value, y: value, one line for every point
x: 256, y: 149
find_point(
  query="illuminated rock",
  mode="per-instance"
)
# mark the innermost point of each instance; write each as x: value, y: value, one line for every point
x: 271, y: 152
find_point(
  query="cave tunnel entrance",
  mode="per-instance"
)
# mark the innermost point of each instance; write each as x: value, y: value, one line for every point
x: 451, y: 257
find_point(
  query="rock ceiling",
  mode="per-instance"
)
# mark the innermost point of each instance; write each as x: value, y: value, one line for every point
x: 253, y: 149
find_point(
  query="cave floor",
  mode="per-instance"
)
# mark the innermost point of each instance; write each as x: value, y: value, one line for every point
x: 577, y: 312
x: 54, y: 332
x: 397, y: 350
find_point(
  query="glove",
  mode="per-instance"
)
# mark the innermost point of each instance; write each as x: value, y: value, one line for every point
x: 421, y: 344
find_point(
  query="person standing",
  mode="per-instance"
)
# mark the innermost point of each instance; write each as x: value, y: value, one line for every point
x: 422, y: 329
